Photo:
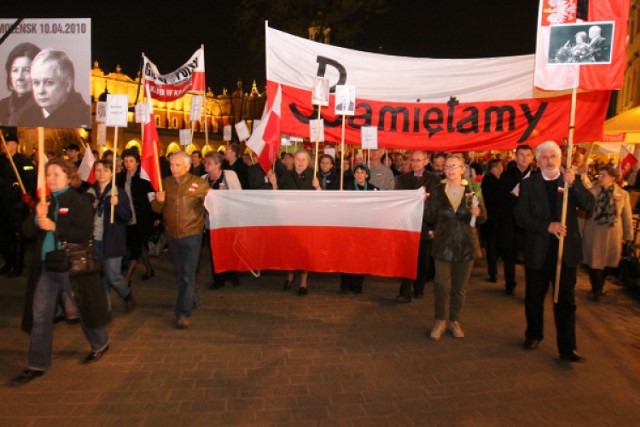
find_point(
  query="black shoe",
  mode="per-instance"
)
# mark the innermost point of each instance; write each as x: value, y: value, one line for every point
x: 287, y: 284
x: 26, y: 376
x: 302, y: 291
x: 509, y: 288
x: 572, y: 357
x: 148, y: 275
x: 94, y: 356
x: 129, y: 302
x: 531, y: 344
x: 216, y: 285
x: 492, y: 278
x: 418, y: 295
x: 404, y: 298
x: 597, y: 296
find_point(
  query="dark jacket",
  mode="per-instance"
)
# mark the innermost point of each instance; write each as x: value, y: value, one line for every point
x: 241, y: 169
x: 140, y: 189
x: 532, y: 213
x: 332, y: 181
x: 291, y: 180
x: 508, y: 232
x: 428, y: 180
x: 351, y: 185
x: 13, y: 107
x: 75, y: 226
x: 454, y: 236
x: 114, y: 236
x: 73, y: 113
x: 256, y: 178
x: 491, y: 199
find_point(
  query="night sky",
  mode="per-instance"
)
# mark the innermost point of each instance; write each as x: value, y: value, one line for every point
x: 169, y: 32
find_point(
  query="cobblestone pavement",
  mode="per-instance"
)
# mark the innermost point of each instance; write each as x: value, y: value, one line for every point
x: 256, y: 355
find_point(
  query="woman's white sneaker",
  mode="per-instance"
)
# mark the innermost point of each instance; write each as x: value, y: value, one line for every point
x: 438, y: 329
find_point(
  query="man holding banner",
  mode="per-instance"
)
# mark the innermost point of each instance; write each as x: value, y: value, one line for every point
x: 538, y: 212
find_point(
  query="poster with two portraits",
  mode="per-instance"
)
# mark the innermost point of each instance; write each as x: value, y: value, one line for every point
x: 45, y: 80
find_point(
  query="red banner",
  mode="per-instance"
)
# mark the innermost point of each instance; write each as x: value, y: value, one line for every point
x: 452, y: 126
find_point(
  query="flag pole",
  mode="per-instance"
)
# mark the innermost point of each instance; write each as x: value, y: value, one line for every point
x: 13, y: 165
x: 144, y: 95
x: 41, y: 162
x: 157, y: 159
x: 114, y: 190
x: 565, y: 194
x: 315, y: 168
x: 344, y: 119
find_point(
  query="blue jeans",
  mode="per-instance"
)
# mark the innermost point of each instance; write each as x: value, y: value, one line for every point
x: 185, y: 253
x: 112, y: 273
x: 47, y: 294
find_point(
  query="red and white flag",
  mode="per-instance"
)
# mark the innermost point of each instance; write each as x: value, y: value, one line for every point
x: 171, y: 86
x: 296, y: 230
x: 265, y: 139
x: 585, y: 76
x: 424, y: 103
x: 149, y: 159
x: 85, y: 170
x: 627, y: 162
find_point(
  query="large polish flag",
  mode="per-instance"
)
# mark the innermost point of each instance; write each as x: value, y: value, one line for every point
x: 85, y: 170
x: 369, y: 232
x: 149, y: 162
x: 425, y: 103
x: 265, y: 140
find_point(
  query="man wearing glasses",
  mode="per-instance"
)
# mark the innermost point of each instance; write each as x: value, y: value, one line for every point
x: 412, y: 180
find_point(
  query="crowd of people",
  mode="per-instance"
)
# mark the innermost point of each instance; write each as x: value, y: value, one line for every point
x: 510, y: 207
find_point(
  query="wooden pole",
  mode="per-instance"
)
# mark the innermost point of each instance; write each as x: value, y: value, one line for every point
x: 315, y: 168
x: 114, y: 190
x: 344, y: 119
x: 41, y: 163
x: 565, y: 195
x: 13, y: 165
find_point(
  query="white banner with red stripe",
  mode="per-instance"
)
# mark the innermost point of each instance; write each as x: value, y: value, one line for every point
x: 171, y: 86
x: 372, y: 232
x: 423, y: 103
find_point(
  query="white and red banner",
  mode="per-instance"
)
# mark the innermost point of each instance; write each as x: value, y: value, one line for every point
x: 85, y: 170
x: 627, y: 162
x: 369, y: 232
x: 549, y: 76
x: 421, y: 103
x: 265, y: 139
x: 169, y: 87
x: 149, y: 162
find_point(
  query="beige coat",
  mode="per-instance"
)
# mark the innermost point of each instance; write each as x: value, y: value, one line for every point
x: 602, y: 245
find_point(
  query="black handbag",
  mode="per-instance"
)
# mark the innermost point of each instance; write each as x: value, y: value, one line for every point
x: 77, y: 259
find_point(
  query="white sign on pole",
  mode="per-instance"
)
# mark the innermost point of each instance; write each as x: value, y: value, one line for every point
x: 141, y: 113
x: 313, y: 130
x: 255, y: 125
x: 185, y: 136
x: 196, y: 107
x: 345, y: 100
x: 330, y: 151
x: 369, y: 136
x: 320, y: 91
x: 226, y: 135
x: 242, y: 130
x: 101, y: 112
x: 285, y: 142
x: 117, y: 110
x: 102, y: 134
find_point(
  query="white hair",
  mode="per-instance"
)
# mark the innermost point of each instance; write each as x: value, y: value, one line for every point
x: 185, y: 157
x: 547, y: 145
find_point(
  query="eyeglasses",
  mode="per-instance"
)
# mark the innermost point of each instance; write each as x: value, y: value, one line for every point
x: 451, y: 166
x: 417, y: 160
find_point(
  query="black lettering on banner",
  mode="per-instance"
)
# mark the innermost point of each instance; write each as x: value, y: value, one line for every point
x: 471, y: 119
x: 532, y: 120
x: 499, y: 112
x: 394, y: 118
x: 322, y: 69
x: 427, y: 121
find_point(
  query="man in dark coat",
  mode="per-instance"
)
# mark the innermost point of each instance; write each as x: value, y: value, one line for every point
x: 13, y: 205
x: 538, y: 212
x: 232, y: 162
x: 418, y: 177
x: 510, y: 236
x: 491, y: 197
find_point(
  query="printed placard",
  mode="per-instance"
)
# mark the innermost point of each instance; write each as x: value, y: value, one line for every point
x: 196, y: 107
x: 316, y: 130
x: 320, y: 91
x: 581, y: 44
x: 45, y: 46
x: 345, y: 100
x: 117, y: 110
x: 242, y: 130
x: 185, y: 136
x: 285, y: 142
x: 142, y: 115
x: 226, y: 133
x: 330, y: 151
x: 102, y: 134
x: 369, y: 135
x: 255, y: 125
x: 101, y: 112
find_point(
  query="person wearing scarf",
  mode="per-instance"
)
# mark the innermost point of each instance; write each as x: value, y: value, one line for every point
x: 606, y: 228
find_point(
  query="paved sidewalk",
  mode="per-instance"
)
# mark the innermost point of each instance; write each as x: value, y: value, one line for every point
x: 256, y: 355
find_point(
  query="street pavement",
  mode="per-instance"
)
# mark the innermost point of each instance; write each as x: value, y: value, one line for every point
x: 258, y: 356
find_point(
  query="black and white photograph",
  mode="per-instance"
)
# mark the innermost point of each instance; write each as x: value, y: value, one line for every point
x: 47, y: 64
x: 584, y: 43
x: 345, y: 100
x: 320, y: 92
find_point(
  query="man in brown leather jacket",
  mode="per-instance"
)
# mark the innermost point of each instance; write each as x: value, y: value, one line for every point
x: 182, y: 207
